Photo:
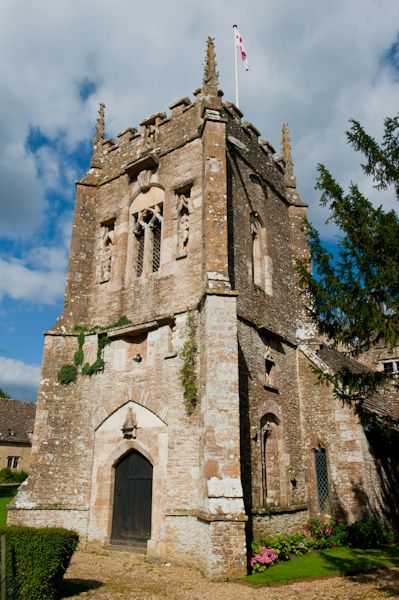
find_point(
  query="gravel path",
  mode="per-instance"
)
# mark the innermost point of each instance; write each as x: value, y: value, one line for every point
x: 121, y: 576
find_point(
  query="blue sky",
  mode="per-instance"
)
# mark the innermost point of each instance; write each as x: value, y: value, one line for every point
x: 313, y: 64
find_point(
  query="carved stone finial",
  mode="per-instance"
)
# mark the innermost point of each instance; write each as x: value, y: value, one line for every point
x: 129, y: 428
x: 210, y: 84
x: 100, y: 125
x: 98, y: 138
x: 289, y: 177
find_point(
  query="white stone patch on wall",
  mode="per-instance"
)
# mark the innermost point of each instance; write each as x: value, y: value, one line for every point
x: 226, y: 506
x: 348, y: 434
x: 228, y: 487
x: 119, y: 359
x: 356, y: 457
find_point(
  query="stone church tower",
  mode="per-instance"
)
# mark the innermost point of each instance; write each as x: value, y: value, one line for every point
x: 176, y: 409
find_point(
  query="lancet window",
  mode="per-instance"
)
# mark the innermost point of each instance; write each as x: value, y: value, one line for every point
x: 322, y: 484
x: 147, y: 231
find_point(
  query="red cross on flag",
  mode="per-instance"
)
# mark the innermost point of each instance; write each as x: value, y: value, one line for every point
x: 240, y: 45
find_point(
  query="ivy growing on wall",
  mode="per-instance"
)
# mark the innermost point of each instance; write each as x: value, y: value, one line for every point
x: 98, y: 365
x: 187, y: 374
x: 69, y: 372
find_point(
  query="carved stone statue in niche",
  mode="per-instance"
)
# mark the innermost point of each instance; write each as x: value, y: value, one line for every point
x: 183, y: 211
x: 107, y: 251
x: 184, y: 233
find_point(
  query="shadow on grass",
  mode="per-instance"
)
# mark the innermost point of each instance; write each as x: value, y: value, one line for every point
x: 329, y: 563
x: 361, y: 561
x: 75, y: 587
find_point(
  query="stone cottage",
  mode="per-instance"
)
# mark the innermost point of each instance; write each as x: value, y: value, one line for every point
x: 177, y: 409
x: 16, y: 429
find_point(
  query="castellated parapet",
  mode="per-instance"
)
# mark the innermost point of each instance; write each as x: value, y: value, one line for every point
x: 194, y: 218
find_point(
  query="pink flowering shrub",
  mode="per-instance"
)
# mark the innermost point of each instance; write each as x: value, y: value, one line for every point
x: 263, y: 558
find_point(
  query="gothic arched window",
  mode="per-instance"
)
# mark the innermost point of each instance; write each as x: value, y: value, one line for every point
x: 147, y: 230
x: 322, y: 485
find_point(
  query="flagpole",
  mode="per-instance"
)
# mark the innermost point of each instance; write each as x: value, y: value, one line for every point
x: 235, y: 63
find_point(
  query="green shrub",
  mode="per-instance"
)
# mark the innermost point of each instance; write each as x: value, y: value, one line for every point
x: 37, y: 560
x: 67, y: 374
x: 363, y: 533
x: 285, y: 545
x: 369, y: 533
x: 8, y: 475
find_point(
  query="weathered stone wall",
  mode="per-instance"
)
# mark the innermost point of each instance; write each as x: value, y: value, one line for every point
x: 353, y: 480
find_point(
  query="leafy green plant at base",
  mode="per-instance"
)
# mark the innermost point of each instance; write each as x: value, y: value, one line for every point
x: 363, y: 533
x: 67, y: 374
x: 187, y: 373
x: 37, y: 560
x: 369, y: 533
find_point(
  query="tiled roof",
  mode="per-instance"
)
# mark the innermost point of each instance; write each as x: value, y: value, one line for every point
x: 16, y: 420
x: 384, y: 404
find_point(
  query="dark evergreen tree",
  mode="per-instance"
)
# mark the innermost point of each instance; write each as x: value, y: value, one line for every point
x: 354, y: 296
x: 4, y: 394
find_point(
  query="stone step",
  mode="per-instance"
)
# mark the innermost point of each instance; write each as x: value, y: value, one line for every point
x: 136, y: 548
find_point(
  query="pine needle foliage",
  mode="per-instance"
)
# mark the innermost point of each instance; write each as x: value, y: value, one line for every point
x: 354, y: 297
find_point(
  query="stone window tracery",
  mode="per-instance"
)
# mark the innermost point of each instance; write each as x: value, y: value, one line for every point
x: 147, y: 230
x: 262, y: 264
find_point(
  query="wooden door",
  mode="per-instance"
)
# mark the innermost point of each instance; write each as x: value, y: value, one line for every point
x: 131, y: 520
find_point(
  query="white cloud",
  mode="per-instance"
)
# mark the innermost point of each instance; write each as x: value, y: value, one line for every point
x: 19, y: 379
x: 314, y: 65
x: 19, y: 282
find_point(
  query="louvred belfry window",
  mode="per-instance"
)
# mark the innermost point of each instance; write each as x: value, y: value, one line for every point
x: 156, y: 246
x: 147, y: 230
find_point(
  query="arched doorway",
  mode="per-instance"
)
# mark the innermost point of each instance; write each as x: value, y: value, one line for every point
x: 131, y: 518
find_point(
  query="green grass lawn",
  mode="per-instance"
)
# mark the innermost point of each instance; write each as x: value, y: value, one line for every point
x: 6, y: 495
x: 324, y: 563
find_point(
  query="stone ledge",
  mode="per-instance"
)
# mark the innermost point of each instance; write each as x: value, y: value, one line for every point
x: 279, y: 510
x: 210, y: 518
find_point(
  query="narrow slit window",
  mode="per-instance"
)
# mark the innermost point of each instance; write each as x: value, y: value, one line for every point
x: 321, y: 478
x: 140, y: 252
x: 156, y: 253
